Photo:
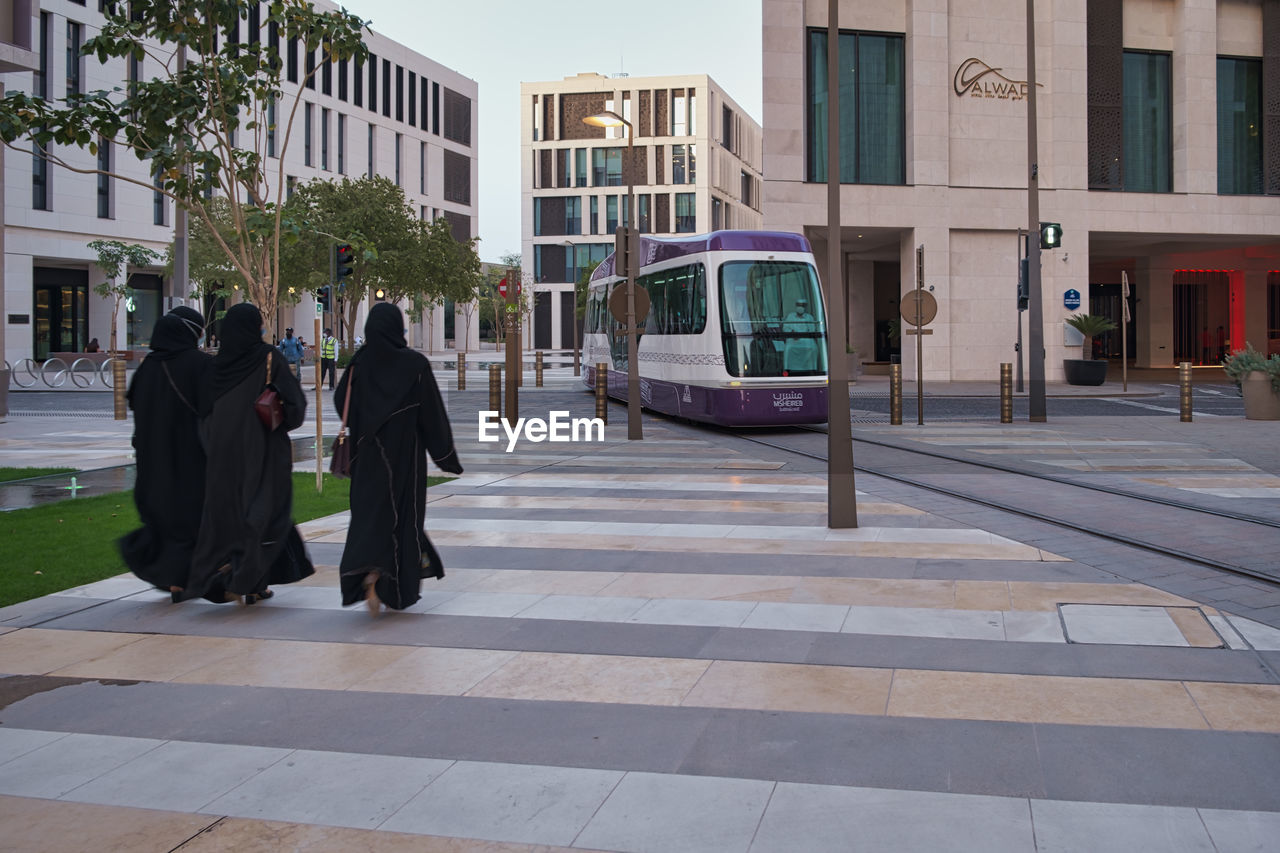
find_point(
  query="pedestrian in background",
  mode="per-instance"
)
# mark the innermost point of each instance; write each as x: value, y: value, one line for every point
x: 169, y: 487
x: 328, y: 357
x: 395, y: 418
x: 291, y: 348
x: 247, y: 537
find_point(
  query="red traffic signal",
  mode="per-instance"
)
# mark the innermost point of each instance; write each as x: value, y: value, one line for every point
x: 343, y: 257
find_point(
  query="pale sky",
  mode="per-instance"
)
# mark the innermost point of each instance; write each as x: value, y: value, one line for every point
x: 502, y: 43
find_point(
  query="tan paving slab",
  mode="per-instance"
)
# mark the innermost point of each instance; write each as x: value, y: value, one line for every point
x: 40, y: 651
x: 52, y: 825
x: 546, y: 583
x: 450, y: 672
x: 1193, y: 625
x: 1239, y: 707
x: 1026, y: 595
x: 700, y: 586
x: 792, y: 687
x: 290, y: 663
x: 741, y: 503
x: 983, y: 595
x: 268, y: 836
x: 593, y: 678
x: 1043, y: 699
x: 877, y: 592
x: 161, y: 657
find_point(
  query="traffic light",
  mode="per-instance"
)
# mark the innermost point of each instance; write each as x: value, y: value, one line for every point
x: 1024, y: 284
x: 380, y: 294
x: 623, y: 246
x: 1050, y: 235
x: 341, y: 264
x: 324, y: 296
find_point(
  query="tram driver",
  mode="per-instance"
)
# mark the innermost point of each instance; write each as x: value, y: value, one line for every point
x: 801, y: 353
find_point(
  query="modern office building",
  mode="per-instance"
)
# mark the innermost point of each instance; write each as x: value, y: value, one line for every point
x: 399, y: 114
x: 1158, y: 152
x: 697, y: 168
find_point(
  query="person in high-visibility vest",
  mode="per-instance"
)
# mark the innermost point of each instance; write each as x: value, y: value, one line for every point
x: 328, y: 357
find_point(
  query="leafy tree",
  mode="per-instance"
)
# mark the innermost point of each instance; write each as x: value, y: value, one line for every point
x: 207, y: 121
x: 581, y: 290
x: 114, y: 258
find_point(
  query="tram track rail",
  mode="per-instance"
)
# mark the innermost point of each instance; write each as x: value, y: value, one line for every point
x: 1243, y: 528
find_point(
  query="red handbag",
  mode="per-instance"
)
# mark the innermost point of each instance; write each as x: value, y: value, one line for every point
x: 268, y: 406
x: 340, y: 455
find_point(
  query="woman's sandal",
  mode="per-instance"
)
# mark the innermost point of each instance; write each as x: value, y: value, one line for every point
x: 371, y: 599
x: 255, y: 597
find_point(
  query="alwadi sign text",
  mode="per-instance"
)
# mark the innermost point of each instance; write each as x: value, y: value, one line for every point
x: 977, y: 79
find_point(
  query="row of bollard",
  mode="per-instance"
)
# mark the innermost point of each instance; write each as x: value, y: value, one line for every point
x: 495, y: 386
x: 462, y: 372
x: 1006, y: 393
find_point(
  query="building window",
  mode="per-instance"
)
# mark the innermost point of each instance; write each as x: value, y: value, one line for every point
x: 326, y: 73
x: 457, y: 177
x: 291, y: 63
x: 373, y: 83
x: 457, y: 117
x: 686, y: 220
x: 1239, y: 126
x: 290, y: 186
x: 271, y: 126
x: 679, y: 114
x: 872, y: 108
x: 537, y: 120
x: 580, y: 167
x: 646, y: 221
x: 399, y: 93
x: 310, y: 80
x: 726, y: 119
x: 324, y: 139
x: 563, y: 176
x: 606, y: 167
x: 342, y: 79
x: 422, y: 168
x: 748, y: 196
x: 372, y: 140
x: 435, y: 108
x: 399, y: 159
x: 1146, y: 124
x: 386, y: 88
x: 595, y: 215
x: 357, y: 83
x: 684, y: 166
x: 425, y: 98
x: 413, y: 99
x: 573, y: 215
x: 75, y: 37
x: 104, y: 179
x: 158, y: 206
x: 716, y: 214
x: 40, y: 194
x: 307, y: 121
x: 342, y: 144
x: 610, y: 214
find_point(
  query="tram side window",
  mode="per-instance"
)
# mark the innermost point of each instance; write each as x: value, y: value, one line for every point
x: 678, y: 301
x: 771, y: 319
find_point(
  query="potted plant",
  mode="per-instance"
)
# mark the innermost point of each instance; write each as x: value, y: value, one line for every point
x: 1258, y: 378
x: 1086, y: 370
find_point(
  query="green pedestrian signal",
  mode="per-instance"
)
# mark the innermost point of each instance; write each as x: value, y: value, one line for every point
x: 1050, y: 235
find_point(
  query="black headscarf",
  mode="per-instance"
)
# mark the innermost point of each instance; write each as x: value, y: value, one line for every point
x: 243, y: 350
x: 175, y: 333
x: 384, y: 369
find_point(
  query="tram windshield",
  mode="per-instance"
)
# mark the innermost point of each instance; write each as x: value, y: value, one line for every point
x: 771, y: 319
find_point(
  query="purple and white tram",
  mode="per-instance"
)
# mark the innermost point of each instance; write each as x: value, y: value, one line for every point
x: 736, y: 332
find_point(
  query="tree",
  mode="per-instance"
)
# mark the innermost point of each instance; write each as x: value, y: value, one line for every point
x: 581, y: 292
x: 207, y: 122
x: 114, y: 258
x: 1090, y: 325
x: 453, y: 273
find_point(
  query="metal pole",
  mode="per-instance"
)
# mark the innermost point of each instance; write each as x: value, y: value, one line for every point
x: 920, y: 335
x: 1184, y: 392
x: 495, y: 388
x: 602, y: 391
x: 1035, y: 320
x: 634, y: 429
x: 117, y: 388
x: 319, y: 412
x: 1124, y: 330
x: 462, y: 371
x: 537, y: 369
x: 1019, y: 349
x: 895, y: 394
x: 1006, y: 392
x: 842, y: 505
x: 179, y: 283
x: 577, y: 361
x: 512, y: 322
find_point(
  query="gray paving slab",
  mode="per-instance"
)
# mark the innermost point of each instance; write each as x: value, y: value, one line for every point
x: 68, y: 762
x: 330, y: 788
x: 1120, y: 624
x: 1242, y: 831
x: 18, y: 742
x: 661, y: 813
x: 829, y: 819
x: 507, y: 802
x: 178, y: 776
x: 1066, y: 827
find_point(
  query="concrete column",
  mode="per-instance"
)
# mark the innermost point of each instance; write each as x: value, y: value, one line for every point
x: 928, y: 88
x: 1195, y: 97
x: 1255, y: 309
x: 1154, y: 312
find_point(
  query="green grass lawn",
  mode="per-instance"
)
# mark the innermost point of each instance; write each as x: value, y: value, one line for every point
x: 7, y: 474
x: 57, y: 546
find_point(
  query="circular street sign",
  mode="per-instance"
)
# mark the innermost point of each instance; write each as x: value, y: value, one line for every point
x: 618, y: 304
x: 928, y: 307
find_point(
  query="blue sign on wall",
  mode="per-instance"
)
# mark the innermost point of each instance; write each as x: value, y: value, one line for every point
x: 1071, y: 300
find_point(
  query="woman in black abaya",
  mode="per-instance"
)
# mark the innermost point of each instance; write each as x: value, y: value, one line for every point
x: 169, y: 491
x: 247, y: 537
x: 397, y: 417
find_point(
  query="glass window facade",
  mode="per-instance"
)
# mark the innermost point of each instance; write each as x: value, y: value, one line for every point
x: 686, y: 219
x: 872, y: 108
x: 771, y: 319
x: 606, y: 167
x: 104, y: 180
x: 1239, y: 126
x: 1147, y: 123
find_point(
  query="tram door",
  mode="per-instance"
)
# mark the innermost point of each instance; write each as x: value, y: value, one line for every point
x: 61, y: 311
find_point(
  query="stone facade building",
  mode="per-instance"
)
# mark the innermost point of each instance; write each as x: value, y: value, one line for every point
x: 1158, y: 152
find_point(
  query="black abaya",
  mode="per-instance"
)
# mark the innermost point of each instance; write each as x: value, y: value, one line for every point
x: 170, y: 483
x: 247, y: 537
x: 397, y: 417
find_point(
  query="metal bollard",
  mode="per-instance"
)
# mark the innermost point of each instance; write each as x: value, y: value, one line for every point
x: 895, y: 394
x: 537, y: 370
x: 462, y: 371
x: 602, y: 391
x: 495, y: 389
x: 1006, y: 392
x: 1184, y: 392
x: 118, y: 389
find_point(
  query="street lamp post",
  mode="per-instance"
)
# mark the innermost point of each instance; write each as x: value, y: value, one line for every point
x: 609, y: 118
x: 577, y: 347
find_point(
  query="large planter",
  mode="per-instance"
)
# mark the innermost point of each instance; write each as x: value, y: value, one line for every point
x: 1261, y: 401
x: 1085, y: 371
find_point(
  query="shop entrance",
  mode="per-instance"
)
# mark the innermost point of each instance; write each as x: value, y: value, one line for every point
x: 1207, y: 318
x: 61, y: 311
